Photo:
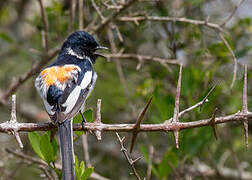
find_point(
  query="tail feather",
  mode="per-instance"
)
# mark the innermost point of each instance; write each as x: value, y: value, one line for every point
x: 67, y: 151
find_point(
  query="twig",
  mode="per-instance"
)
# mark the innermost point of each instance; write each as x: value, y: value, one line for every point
x: 172, y: 19
x: 232, y: 13
x: 17, y: 82
x: 233, y: 55
x: 151, y: 152
x: 143, y: 57
x: 72, y: 15
x: 120, y: 72
x: 98, y: 10
x: 80, y: 2
x: 47, y: 174
x: 113, y: 16
x: 39, y: 162
x: 130, y: 161
x: 45, y: 23
x: 85, y: 149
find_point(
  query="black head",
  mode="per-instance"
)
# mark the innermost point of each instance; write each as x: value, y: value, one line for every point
x: 81, y: 43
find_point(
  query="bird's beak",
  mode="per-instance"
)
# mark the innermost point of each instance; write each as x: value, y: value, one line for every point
x: 100, y: 47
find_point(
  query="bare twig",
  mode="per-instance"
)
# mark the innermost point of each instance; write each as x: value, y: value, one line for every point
x: 80, y: 2
x: 46, y: 172
x: 233, y: 55
x: 45, y: 24
x: 232, y: 13
x: 17, y: 82
x: 172, y: 19
x: 72, y: 16
x: 143, y: 57
x: 130, y: 161
x: 98, y: 11
x: 120, y: 72
x: 151, y: 152
x: 85, y: 149
x: 40, y: 163
x: 113, y: 16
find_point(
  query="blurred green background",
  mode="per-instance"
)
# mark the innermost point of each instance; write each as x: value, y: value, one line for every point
x: 206, y: 62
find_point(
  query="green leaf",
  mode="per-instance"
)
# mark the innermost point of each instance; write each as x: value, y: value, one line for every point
x: 169, y: 159
x: 88, y: 114
x: 87, y: 173
x: 47, y: 149
x: 34, y: 139
x: 6, y: 37
x: 54, y: 145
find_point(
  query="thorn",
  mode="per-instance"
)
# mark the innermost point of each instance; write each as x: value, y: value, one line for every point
x: 245, y: 104
x: 137, y: 125
x: 212, y: 123
x: 206, y: 98
x: 98, y: 120
x: 176, y: 135
x: 176, y: 108
x: 245, y: 125
x: 137, y: 159
x: 245, y: 94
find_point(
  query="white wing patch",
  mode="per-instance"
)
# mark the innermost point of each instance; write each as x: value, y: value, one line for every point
x: 86, y: 80
x: 74, y: 96
x: 72, y: 99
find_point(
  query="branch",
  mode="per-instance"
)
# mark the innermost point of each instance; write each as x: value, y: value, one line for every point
x: 233, y: 55
x: 142, y: 57
x: 172, y: 19
x: 47, y: 126
x: 113, y: 16
x: 72, y: 16
x: 80, y: 14
x: 45, y: 23
x: 17, y: 82
x: 232, y: 13
x: 130, y: 161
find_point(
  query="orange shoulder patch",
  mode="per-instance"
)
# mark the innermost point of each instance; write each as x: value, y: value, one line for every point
x: 57, y: 73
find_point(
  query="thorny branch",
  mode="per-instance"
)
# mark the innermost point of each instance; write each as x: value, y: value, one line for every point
x: 98, y: 127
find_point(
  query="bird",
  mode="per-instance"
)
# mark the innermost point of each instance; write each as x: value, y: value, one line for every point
x: 64, y: 86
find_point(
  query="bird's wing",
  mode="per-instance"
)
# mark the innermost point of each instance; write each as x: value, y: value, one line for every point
x: 62, y: 86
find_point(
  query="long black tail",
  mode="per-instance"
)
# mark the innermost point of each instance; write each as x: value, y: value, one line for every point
x: 67, y: 151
